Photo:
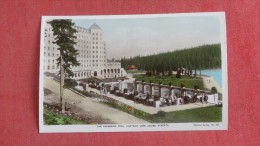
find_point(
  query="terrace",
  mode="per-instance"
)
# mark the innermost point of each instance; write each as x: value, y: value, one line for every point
x: 145, y: 96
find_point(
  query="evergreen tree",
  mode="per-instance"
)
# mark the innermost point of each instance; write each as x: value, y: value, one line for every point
x: 64, y: 32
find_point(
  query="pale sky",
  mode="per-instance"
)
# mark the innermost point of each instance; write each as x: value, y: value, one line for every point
x: 143, y: 36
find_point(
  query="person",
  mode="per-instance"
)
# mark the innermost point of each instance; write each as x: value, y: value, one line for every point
x: 100, y: 90
x: 162, y: 100
x: 147, y: 98
x: 165, y: 99
x: 105, y: 91
x: 174, y: 98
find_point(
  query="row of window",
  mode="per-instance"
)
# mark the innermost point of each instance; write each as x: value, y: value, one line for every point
x: 89, y: 56
x: 84, y: 46
x: 53, y: 67
x: 49, y: 48
x: 87, y: 42
x: 95, y: 35
x: 82, y: 56
x: 49, y: 54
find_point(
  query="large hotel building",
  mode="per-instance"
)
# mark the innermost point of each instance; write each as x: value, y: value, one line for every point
x: 92, y: 54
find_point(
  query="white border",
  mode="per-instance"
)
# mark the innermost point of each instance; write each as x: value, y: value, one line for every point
x: 148, y: 127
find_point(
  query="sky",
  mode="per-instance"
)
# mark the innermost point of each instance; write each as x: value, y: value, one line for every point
x: 126, y: 37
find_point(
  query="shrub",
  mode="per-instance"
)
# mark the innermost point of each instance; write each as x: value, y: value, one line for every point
x: 182, y: 85
x: 214, y: 90
x: 70, y: 83
x: 196, y: 86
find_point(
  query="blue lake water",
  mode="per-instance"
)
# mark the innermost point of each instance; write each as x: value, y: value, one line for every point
x: 215, y: 73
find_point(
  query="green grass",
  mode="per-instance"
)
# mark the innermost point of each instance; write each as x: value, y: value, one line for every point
x: 52, y: 118
x: 135, y: 71
x: 204, y: 114
x: 188, y: 81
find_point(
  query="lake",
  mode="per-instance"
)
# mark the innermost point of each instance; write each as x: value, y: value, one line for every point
x: 215, y: 73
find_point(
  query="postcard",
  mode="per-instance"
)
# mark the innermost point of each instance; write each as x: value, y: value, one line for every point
x: 126, y: 73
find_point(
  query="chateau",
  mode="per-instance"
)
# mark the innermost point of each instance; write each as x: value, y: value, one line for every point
x: 92, y: 54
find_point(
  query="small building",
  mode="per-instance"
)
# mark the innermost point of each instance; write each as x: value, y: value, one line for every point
x: 131, y: 67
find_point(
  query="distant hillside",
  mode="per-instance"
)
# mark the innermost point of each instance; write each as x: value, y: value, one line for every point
x: 201, y: 57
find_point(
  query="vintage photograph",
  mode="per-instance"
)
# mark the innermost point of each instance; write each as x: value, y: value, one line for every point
x: 153, y: 72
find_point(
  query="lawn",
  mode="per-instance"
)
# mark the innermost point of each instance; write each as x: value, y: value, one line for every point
x: 52, y: 118
x: 135, y: 71
x: 204, y: 114
x: 188, y: 81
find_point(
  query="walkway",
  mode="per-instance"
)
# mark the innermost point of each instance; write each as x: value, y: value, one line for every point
x: 88, y: 106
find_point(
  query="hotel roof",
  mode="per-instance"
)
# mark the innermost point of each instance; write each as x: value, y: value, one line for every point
x: 94, y: 26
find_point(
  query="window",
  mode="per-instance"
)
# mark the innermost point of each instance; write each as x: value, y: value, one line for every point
x: 48, y: 67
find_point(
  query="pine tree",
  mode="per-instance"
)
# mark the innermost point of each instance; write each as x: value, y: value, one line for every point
x: 63, y: 32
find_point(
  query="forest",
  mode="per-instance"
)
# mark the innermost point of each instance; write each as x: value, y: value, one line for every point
x: 195, y: 58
